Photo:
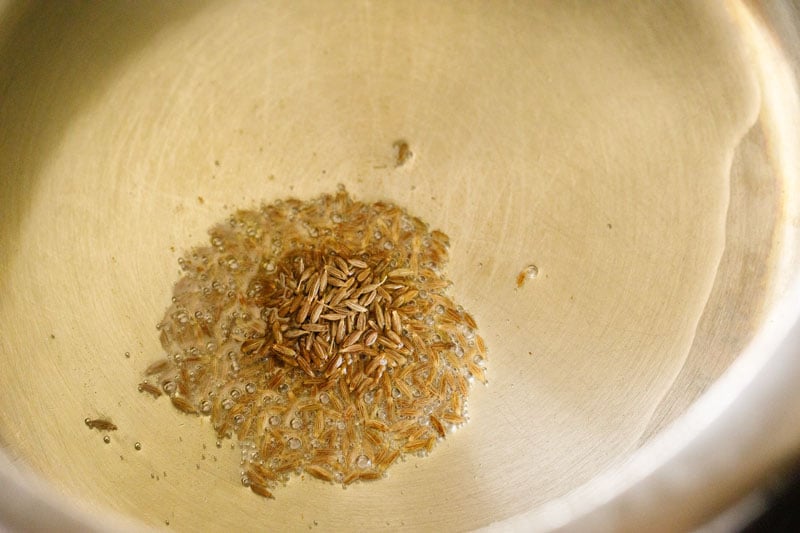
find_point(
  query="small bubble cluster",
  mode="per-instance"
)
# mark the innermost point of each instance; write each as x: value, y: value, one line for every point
x: 320, y: 335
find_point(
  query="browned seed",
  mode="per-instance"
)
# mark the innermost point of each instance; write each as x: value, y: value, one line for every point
x: 355, y: 306
x: 372, y: 287
x: 366, y: 384
x: 342, y: 264
x: 319, y: 472
x: 276, y: 333
x: 374, y: 364
x: 397, y: 327
x: 376, y: 425
x: 319, y: 423
x: 386, y: 342
x: 451, y: 382
x: 327, y: 296
x: 333, y: 316
x: 374, y: 438
x: 358, y: 263
x: 351, y: 477
x: 395, y: 338
x: 379, y: 317
x: 261, y: 490
x: 361, y: 321
x: 260, y: 475
x: 334, y: 330
x: 481, y: 345
x: 404, y: 372
x: 452, y: 358
x: 336, y: 403
x: 296, y: 302
x: 284, y: 350
x: 306, y: 274
x: 387, y: 458
x: 344, y: 392
x: 319, y: 350
x: 294, y: 333
x: 156, y: 367
x: 352, y: 348
x: 316, y: 312
x: 275, y: 380
x: 438, y: 426
x: 291, y: 361
x: 335, y: 281
x: 461, y: 340
x: 307, y: 404
x: 407, y: 296
x: 386, y: 384
x: 305, y: 366
x: 309, y: 342
x: 407, y: 412
x: 385, y: 296
x: 314, y: 283
x: 367, y: 299
x: 316, y: 328
x: 355, y: 379
x: 323, y: 279
x: 344, y: 439
x: 463, y: 385
x: 469, y: 320
x: 182, y: 404
x: 476, y: 371
x: 417, y: 342
x: 150, y: 389
x: 252, y: 345
x: 370, y: 338
x: 369, y: 476
x: 418, y: 433
x: 452, y: 315
x: 352, y: 337
x: 302, y: 313
x: 101, y: 424
x: 337, y: 273
x: 443, y: 386
x: 341, y: 331
x: 325, y: 455
x: 334, y: 364
x: 337, y: 296
x: 414, y: 446
x: 452, y: 418
x: 400, y: 273
x: 288, y: 466
x: 329, y: 437
x: 419, y: 380
x: 440, y: 237
x: 363, y: 275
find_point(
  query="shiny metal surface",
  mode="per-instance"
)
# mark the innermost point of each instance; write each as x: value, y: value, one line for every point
x: 641, y: 155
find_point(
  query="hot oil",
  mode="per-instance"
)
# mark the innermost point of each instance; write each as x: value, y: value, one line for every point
x: 591, y: 141
x: 319, y: 334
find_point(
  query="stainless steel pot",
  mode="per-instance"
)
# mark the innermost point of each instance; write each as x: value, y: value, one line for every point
x: 642, y: 155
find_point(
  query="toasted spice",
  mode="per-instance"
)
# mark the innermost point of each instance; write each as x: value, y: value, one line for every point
x: 320, y: 334
x: 101, y: 424
x: 529, y: 272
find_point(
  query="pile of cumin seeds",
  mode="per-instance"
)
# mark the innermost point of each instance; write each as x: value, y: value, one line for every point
x: 320, y: 335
